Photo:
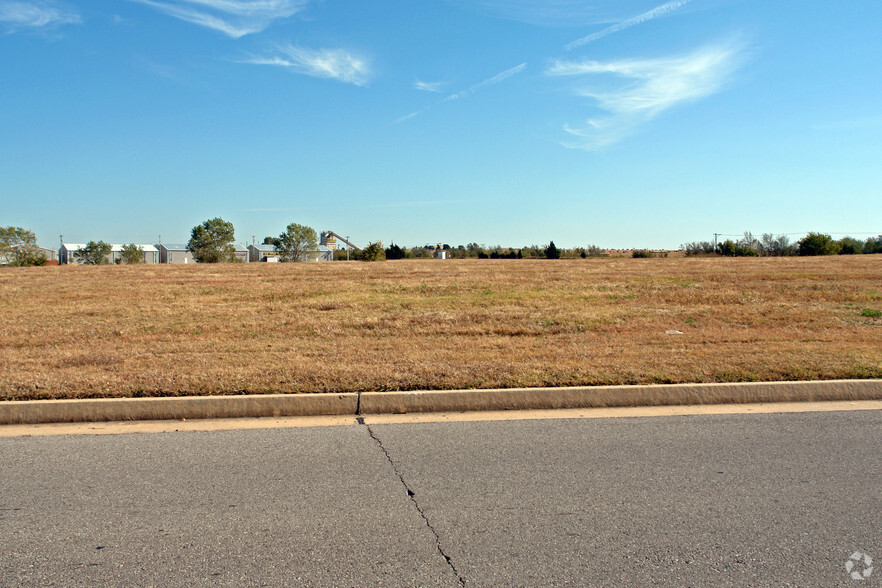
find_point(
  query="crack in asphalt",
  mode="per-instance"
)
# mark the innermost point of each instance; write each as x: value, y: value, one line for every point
x: 411, y: 495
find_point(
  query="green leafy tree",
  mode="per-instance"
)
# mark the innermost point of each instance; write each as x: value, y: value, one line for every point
x: 131, y: 254
x: 18, y: 247
x: 817, y: 244
x: 395, y: 252
x: 296, y: 243
x: 212, y: 241
x: 873, y: 245
x: 552, y: 252
x: 850, y: 246
x: 373, y: 252
x: 94, y: 253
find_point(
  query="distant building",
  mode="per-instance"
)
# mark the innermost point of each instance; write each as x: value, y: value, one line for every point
x: 66, y: 254
x: 329, y: 240
x: 322, y: 253
x: 67, y: 251
x: 268, y: 253
x: 151, y: 253
x: 263, y: 252
x: 174, y: 253
x: 242, y: 254
x: 180, y: 253
x: 51, y: 255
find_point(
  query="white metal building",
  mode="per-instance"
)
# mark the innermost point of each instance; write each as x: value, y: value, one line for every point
x: 151, y: 253
x: 66, y: 253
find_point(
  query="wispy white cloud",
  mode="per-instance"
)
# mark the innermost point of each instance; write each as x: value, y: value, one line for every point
x: 630, y: 22
x: 234, y: 18
x: 641, y: 89
x: 36, y: 15
x: 429, y: 86
x: 491, y: 81
x: 336, y: 64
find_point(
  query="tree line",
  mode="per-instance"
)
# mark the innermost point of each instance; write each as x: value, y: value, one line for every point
x: 213, y: 242
x: 769, y: 245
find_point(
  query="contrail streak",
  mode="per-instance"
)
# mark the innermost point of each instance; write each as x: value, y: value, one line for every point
x: 469, y: 91
x: 626, y: 24
x: 489, y: 82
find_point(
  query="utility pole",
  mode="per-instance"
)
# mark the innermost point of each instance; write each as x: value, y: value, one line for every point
x: 348, y: 247
x: 715, y: 240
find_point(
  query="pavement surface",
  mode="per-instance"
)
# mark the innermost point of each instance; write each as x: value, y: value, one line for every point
x: 700, y: 500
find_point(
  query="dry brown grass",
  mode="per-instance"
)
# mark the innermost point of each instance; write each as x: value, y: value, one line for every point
x: 80, y: 332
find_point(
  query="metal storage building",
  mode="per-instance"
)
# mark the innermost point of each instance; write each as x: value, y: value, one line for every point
x: 263, y: 252
x: 174, y: 253
x: 66, y: 253
x: 242, y: 254
x: 179, y: 253
x: 151, y: 253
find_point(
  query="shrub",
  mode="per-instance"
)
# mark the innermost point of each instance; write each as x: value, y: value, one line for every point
x: 817, y: 244
x: 642, y: 253
x: 726, y: 248
x: 395, y: 252
x: 850, y: 246
x: 18, y: 246
x: 873, y: 245
x: 698, y: 248
x: 373, y: 252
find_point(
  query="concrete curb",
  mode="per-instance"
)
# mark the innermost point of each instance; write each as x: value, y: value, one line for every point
x: 617, y: 396
x: 276, y: 405
x: 187, y: 407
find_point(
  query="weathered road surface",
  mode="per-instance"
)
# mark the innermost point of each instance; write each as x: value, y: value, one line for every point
x: 766, y: 500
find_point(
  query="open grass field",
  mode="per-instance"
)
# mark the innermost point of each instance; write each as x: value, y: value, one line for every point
x: 78, y: 332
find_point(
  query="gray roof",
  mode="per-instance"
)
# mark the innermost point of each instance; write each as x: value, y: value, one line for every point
x: 264, y: 247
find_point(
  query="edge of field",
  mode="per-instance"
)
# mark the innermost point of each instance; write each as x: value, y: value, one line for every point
x: 369, y: 403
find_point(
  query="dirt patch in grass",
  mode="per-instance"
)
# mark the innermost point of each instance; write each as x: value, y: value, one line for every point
x: 79, y: 332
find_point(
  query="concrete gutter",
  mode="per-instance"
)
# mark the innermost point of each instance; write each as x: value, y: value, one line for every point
x: 365, y: 403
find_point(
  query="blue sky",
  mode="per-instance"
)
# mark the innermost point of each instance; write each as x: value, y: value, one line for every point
x: 620, y: 123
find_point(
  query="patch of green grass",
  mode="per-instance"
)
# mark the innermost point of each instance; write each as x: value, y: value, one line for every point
x: 871, y: 312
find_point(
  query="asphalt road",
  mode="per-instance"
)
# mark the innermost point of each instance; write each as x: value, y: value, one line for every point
x: 764, y: 500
